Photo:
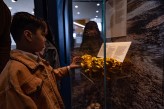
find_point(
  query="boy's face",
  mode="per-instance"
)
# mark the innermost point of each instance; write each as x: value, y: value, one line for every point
x: 38, y: 41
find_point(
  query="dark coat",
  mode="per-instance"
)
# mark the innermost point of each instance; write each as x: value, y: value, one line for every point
x: 5, y: 42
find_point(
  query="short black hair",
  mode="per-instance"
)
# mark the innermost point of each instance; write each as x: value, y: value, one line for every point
x: 25, y: 21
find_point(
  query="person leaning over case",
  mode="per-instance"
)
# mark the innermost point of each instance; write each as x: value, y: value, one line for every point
x: 28, y: 81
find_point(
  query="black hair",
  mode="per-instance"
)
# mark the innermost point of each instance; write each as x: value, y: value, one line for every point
x: 25, y: 21
x: 91, y: 29
x: 91, y: 40
x: 91, y: 25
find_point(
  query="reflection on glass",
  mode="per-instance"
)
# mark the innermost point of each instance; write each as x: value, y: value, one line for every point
x: 138, y: 84
x: 87, y: 92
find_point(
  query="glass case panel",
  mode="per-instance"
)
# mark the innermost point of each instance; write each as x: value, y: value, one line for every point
x: 130, y: 76
x: 87, y: 88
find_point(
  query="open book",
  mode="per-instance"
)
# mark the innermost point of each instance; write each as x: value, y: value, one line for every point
x: 115, y: 50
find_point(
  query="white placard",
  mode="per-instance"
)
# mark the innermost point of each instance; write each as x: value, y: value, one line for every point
x: 116, y: 50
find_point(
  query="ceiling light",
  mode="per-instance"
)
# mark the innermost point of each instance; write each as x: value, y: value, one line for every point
x: 76, y: 6
x: 97, y: 11
x: 13, y: 0
x: 10, y: 8
x: 78, y: 24
x: 98, y: 4
x: 74, y: 35
x: 78, y: 12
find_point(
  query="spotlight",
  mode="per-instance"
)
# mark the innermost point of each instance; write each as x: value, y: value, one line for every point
x: 14, y: 0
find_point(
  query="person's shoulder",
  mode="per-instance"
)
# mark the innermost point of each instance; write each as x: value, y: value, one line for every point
x: 49, y: 45
x: 15, y: 66
x: 14, y: 71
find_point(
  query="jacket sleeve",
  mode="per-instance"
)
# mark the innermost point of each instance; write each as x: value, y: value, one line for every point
x: 61, y: 72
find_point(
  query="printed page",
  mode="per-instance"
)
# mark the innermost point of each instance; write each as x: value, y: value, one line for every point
x: 116, y: 50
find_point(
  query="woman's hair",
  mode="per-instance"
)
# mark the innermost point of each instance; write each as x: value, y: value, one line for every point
x: 24, y: 21
x: 91, y: 30
x: 91, y: 40
x: 91, y: 25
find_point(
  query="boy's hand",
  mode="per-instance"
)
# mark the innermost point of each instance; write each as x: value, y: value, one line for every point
x: 75, y: 62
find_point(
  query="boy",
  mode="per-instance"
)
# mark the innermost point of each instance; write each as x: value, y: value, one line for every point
x: 28, y: 81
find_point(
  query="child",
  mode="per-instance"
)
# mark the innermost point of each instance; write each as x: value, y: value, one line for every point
x: 28, y: 81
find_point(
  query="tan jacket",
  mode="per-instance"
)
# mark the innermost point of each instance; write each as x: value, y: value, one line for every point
x: 29, y: 82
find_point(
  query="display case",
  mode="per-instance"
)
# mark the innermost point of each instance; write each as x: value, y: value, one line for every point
x: 122, y: 66
x: 121, y: 46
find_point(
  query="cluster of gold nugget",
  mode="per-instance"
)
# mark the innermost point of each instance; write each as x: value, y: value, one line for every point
x: 96, y: 65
